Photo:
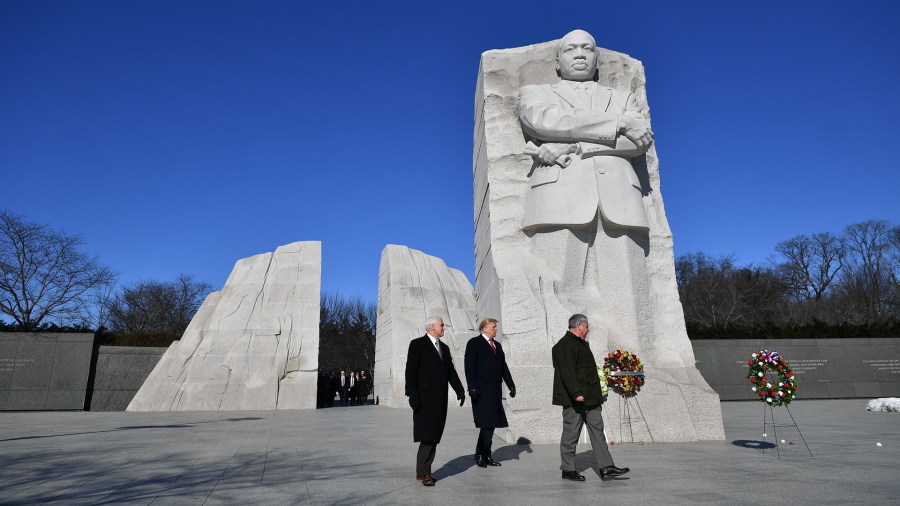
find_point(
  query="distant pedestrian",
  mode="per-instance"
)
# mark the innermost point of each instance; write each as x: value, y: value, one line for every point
x: 351, y: 391
x: 365, y: 386
x: 334, y: 387
x: 344, y: 382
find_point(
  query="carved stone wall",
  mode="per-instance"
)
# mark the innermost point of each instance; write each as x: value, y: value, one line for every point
x: 254, y: 345
x: 119, y: 374
x: 412, y: 287
x: 44, y: 370
x: 677, y: 403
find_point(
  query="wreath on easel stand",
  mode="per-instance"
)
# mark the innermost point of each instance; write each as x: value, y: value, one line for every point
x: 629, y: 378
x: 773, y: 394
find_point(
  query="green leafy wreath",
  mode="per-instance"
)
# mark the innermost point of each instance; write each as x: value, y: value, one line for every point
x: 771, y: 393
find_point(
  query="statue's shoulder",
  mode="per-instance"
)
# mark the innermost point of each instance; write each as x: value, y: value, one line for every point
x: 533, y: 89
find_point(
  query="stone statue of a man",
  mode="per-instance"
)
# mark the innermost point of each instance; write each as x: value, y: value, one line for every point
x: 584, y: 212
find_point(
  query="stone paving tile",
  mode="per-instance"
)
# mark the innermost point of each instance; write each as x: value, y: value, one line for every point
x: 366, y: 456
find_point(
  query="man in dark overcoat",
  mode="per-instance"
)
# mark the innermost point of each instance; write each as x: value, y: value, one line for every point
x: 429, y: 370
x: 576, y: 387
x: 485, y: 371
x: 335, y: 386
x: 343, y: 386
x: 365, y: 387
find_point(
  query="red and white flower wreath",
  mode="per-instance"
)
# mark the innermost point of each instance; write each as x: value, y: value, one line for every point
x: 770, y: 392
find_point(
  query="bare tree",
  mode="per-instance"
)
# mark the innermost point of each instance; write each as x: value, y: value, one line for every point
x: 811, y: 264
x: 157, y: 306
x: 716, y: 293
x: 867, y: 282
x: 346, y: 332
x: 894, y: 272
x: 43, y: 275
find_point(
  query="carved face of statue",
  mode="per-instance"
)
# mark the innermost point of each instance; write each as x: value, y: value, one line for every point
x: 491, y: 330
x: 577, y: 60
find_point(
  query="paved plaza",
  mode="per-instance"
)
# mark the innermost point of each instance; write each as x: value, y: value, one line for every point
x: 365, y: 455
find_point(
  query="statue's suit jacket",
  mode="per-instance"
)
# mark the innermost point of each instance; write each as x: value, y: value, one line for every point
x: 602, y: 177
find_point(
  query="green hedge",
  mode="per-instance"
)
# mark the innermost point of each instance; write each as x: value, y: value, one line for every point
x: 106, y: 338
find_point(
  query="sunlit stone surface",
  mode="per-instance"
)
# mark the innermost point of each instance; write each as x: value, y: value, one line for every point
x: 254, y: 345
x: 413, y: 286
x: 514, y: 283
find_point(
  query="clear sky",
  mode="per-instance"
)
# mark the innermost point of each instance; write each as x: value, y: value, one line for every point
x: 181, y: 136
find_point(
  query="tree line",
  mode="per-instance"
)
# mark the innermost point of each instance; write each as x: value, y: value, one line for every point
x: 48, y: 283
x: 818, y: 285
x: 346, y: 333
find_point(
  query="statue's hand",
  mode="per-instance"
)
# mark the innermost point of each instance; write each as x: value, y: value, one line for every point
x: 638, y: 131
x: 551, y: 153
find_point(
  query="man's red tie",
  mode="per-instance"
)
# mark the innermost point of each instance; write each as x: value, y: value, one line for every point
x: 491, y: 342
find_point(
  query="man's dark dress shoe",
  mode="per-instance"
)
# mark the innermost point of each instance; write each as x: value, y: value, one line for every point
x: 491, y: 462
x: 572, y: 475
x: 479, y: 461
x: 611, y: 471
x: 428, y: 481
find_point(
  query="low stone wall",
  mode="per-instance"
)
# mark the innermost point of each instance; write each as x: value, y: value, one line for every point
x: 119, y: 374
x: 824, y: 368
x: 44, y: 371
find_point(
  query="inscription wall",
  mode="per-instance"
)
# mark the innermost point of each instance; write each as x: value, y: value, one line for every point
x: 44, y: 371
x: 824, y: 368
x: 119, y: 374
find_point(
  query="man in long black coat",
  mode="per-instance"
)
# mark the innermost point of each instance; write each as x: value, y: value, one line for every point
x: 429, y: 369
x: 343, y: 386
x: 485, y: 371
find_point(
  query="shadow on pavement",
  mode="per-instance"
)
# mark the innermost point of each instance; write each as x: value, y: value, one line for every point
x: 753, y: 445
x: 134, y: 427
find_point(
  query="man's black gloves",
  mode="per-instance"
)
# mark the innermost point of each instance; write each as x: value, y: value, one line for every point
x: 473, y: 393
x: 415, y: 402
x: 461, y: 398
x: 512, y: 392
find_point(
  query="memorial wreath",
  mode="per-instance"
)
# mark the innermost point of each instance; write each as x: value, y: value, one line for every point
x: 621, y: 360
x: 770, y: 392
x: 604, y: 386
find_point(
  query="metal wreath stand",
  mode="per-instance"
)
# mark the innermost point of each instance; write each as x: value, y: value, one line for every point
x: 771, y: 411
x: 625, y: 407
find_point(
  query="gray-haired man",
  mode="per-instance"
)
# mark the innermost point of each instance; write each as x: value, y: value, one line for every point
x: 576, y: 387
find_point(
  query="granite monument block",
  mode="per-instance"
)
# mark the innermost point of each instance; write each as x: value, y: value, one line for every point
x: 254, y: 345
x: 569, y: 219
x: 412, y: 287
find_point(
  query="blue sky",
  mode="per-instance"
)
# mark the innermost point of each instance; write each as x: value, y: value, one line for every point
x: 180, y: 136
